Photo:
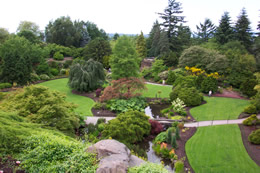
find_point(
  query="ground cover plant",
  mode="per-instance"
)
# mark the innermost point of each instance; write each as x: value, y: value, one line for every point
x: 218, y: 108
x: 38, y: 104
x: 158, y: 91
x: 42, y: 149
x: 219, y: 149
x: 84, y: 103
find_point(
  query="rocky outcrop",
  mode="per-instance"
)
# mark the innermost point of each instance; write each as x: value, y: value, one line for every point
x: 114, y: 157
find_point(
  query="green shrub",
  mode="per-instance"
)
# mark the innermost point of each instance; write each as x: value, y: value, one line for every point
x: 44, y: 77
x: 129, y: 127
x: 157, y: 67
x: 171, y: 78
x: 122, y: 105
x: 63, y: 71
x: 101, y: 127
x: 67, y: 63
x: 54, y: 71
x: 179, y: 166
x: 148, y: 168
x: 5, y: 85
x: 209, y: 84
x: 41, y: 105
x: 163, y: 75
x: 190, y: 96
x: 2, y: 95
x: 177, y: 133
x: 165, y: 111
x: 162, y: 137
x: 173, y: 142
x: 146, y: 73
x: 176, y: 117
x: 254, y: 137
x: 50, y: 153
x: 251, y: 109
x: 58, y: 56
x: 43, y: 68
x: 247, y: 87
x: 34, y: 77
x: 101, y: 120
x: 252, y: 120
x: 185, y: 81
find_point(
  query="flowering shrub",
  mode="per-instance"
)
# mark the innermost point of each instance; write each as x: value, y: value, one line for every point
x: 162, y: 149
x: 178, y: 105
x: 194, y: 71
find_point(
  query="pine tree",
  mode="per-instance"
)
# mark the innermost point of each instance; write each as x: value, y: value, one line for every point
x: 124, y: 62
x: 177, y: 133
x: 224, y: 32
x: 153, y: 40
x: 86, y: 75
x: 141, y: 46
x: 206, y: 30
x: 164, y: 44
x: 243, y: 31
x: 171, y: 17
x: 173, y: 142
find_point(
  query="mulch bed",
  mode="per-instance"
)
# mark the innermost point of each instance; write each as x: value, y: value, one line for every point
x: 252, y: 149
x: 8, y: 165
x: 181, y: 144
x: 229, y: 94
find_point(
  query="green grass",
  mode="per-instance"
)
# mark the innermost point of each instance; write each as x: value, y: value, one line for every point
x: 84, y: 103
x: 216, y: 149
x: 219, y: 108
x: 152, y: 90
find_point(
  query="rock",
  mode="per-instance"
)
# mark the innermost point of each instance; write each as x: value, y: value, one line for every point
x: 114, y: 156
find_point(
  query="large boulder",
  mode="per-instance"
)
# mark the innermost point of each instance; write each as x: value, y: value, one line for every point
x: 114, y: 156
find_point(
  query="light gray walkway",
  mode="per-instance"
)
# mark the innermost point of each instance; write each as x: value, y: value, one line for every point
x: 195, y: 124
x: 215, y: 122
x: 158, y: 84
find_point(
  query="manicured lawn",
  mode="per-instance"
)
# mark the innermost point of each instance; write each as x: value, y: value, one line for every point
x: 219, y: 108
x: 152, y: 90
x: 216, y: 149
x: 84, y: 104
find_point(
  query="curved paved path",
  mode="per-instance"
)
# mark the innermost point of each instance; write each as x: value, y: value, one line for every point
x: 195, y: 124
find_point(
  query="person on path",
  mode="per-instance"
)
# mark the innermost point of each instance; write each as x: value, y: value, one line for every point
x: 210, y: 93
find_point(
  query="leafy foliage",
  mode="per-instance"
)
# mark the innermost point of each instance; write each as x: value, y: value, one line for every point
x: 171, y: 78
x: 124, y: 62
x: 141, y: 46
x: 247, y: 87
x: 209, y: 84
x: 58, y: 56
x: 148, y: 168
x: 123, y: 88
x: 254, y: 137
x: 97, y: 50
x: 162, y: 137
x: 251, y: 109
x: 122, y: 105
x: 18, y: 56
x: 252, y: 120
x: 157, y: 67
x: 5, y: 85
x: 40, y: 105
x: 86, y: 75
x: 156, y: 127
x: 129, y: 127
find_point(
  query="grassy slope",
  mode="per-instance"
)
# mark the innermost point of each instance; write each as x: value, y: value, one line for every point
x: 152, y: 90
x: 219, y: 108
x: 84, y: 104
x: 219, y: 149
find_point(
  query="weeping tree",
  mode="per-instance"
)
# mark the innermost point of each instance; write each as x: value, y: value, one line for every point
x: 86, y: 75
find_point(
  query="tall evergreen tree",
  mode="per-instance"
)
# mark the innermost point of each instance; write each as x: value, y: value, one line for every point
x: 243, y: 31
x: 206, y: 30
x: 124, y: 62
x: 141, y: 46
x: 164, y: 44
x: 171, y: 17
x: 153, y: 40
x: 224, y: 32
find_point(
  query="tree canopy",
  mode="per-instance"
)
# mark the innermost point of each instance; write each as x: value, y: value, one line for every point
x: 86, y: 75
x: 124, y: 62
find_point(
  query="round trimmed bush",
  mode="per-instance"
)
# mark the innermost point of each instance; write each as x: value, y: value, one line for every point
x: 209, y: 84
x: 247, y: 87
x: 54, y: 71
x: 44, y: 77
x: 58, y: 56
x: 251, y: 109
x: 254, y: 137
x: 171, y: 78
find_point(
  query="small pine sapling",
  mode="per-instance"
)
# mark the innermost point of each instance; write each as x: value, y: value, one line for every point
x: 177, y: 133
x: 169, y: 136
x: 173, y: 142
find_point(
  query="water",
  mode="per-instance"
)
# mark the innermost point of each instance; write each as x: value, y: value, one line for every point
x: 152, y: 157
x: 153, y: 110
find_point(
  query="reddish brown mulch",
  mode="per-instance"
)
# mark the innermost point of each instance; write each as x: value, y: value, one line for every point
x: 8, y: 165
x: 229, y: 94
x: 252, y: 149
x: 185, y: 136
